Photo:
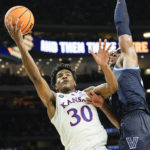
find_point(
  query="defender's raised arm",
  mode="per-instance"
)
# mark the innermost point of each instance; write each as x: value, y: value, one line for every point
x: 102, y: 58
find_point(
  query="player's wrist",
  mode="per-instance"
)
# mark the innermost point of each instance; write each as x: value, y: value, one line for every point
x: 103, y: 67
x: 20, y: 42
x: 102, y: 106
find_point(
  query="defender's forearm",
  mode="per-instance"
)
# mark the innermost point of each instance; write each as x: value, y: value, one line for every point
x: 29, y: 63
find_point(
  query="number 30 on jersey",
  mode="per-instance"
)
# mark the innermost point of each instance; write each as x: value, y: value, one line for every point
x: 80, y: 115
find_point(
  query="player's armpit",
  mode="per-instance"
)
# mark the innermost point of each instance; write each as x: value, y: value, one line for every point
x: 47, y: 96
x: 104, y: 90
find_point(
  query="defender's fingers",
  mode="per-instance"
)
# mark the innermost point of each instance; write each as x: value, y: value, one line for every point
x: 88, y: 94
x: 111, y: 53
x: 88, y: 102
x: 104, y: 46
x: 92, y: 93
x: 109, y: 47
x: 93, y: 54
x: 88, y: 99
x: 100, y: 43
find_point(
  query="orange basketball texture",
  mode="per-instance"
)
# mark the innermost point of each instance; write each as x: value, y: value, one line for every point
x: 24, y: 15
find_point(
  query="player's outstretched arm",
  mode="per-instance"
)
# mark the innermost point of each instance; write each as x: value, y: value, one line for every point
x: 121, y: 19
x: 102, y: 58
x: 98, y: 101
x: 45, y: 93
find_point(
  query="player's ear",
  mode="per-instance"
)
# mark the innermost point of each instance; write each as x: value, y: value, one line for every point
x: 75, y: 83
x: 56, y: 86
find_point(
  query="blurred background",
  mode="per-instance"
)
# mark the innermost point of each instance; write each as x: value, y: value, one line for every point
x: 64, y: 30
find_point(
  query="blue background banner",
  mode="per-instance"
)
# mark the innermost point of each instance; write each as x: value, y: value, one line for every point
x: 73, y: 47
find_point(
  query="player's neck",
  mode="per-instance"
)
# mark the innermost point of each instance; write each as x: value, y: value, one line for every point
x: 67, y: 91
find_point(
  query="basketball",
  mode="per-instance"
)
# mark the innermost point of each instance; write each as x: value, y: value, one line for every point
x: 24, y: 15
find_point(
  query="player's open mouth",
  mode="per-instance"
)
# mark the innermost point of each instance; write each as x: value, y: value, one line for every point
x: 64, y: 81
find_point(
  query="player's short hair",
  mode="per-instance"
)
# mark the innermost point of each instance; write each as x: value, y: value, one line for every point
x: 59, y: 67
x: 117, y: 51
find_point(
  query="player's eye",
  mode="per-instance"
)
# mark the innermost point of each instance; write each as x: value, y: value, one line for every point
x: 59, y: 76
x: 68, y: 74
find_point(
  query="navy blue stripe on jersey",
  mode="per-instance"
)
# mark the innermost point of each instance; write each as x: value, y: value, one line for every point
x: 125, y: 68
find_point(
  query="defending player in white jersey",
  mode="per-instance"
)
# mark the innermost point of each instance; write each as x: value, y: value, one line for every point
x: 76, y: 121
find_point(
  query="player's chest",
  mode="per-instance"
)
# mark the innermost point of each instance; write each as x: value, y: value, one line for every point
x: 72, y: 100
x: 75, y: 110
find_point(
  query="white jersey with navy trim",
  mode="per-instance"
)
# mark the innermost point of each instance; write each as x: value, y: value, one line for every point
x: 77, y: 122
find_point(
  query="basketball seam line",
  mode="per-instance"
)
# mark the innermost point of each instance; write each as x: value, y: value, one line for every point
x: 13, y: 10
x: 22, y: 13
x: 27, y: 23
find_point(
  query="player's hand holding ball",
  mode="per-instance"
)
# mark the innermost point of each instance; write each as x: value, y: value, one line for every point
x: 19, y: 21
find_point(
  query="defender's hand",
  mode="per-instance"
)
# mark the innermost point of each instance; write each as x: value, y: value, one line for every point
x: 94, y: 99
x: 102, y: 57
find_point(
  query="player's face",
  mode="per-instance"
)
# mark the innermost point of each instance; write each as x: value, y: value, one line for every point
x: 114, y: 56
x: 65, y: 81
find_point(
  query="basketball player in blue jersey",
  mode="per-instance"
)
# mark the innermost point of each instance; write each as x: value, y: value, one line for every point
x: 131, y: 103
x: 76, y: 121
